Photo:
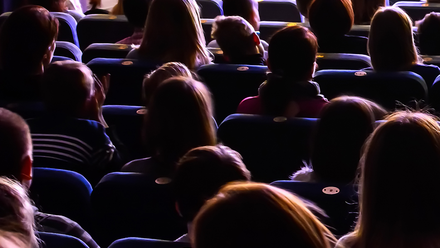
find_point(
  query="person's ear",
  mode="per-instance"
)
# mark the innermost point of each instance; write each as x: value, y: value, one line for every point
x: 26, y: 171
x: 256, y: 39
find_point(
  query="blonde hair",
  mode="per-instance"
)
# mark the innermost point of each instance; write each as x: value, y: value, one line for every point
x: 167, y: 70
x: 173, y: 32
x: 17, y: 214
x: 391, y: 41
x: 234, y: 35
x: 258, y: 215
x: 399, y: 173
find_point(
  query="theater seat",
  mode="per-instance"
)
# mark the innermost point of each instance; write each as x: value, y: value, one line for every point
x: 102, y: 28
x: 418, y: 9
x: 62, y: 192
x: 434, y: 95
x: 56, y: 240
x: 342, y: 61
x: 385, y: 88
x: 146, y: 243
x: 105, y: 50
x: 133, y: 205
x: 272, y: 147
x: 276, y: 10
x: 126, y: 78
x: 67, y: 49
x: 230, y: 84
x: 339, y: 202
x: 210, y: 8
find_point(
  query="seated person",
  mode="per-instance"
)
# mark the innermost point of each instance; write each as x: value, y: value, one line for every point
x: 179, y: 118
x: 136, y: 12
x: 71, y: 135
x: 345, y: 123
x: 16, y: 163
x: 330, y: 21
x: 27, y: 43
x: 17, y: 216
x: 57, y: 6
x: 391, y: 45
x: 199, y: 176
x: 96, y: 8
x: 288, y: 90
x: 238, y: 41
x: 248, y: 10
x: 257, y: 215
x: 429, y: 34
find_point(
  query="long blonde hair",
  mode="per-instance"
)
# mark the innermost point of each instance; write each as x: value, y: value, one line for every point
x: 258, y: 215
x: 391, y: 41
x: 173, y: 33
x: 399, y: 207
x: 17, y: 214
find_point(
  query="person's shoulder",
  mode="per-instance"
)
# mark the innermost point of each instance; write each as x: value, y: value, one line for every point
x: 54, y: 223
x: 133, y: 54
x: 347, y: 241
x: 250, y: 105
x: 432, y: 68
x: 213, y: 44
x: 138, y: 165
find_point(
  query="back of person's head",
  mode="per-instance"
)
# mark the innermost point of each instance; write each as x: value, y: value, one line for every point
x: 173, y: 33
x: 292, y: 53
x: 429, y: 34
x: 257, y: 215
x: 235, y: 36
x: 344, y: 125
x: 15, y: 146
x: 248, y: 9
x: 391, y: 41
x: 400, y: 168
x: 167, y: 70
x: 331, y: 18
x: 136, y: 11
x: 67, y: 86
x: 51, y: 5
x: 16, y: 216
x: 365, y: 9
x: 27, y: 40
x: 201, y: 173
x: 179, y: 118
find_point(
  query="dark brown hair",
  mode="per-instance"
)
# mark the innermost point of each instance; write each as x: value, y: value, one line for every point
x: 179, y: 118
x: 365, y: 9
x: 331, y: 17
x: 25, y: 37
x: 429, y: 34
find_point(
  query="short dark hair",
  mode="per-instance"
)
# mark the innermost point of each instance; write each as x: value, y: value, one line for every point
x: 429, y: 34
x: 66, y: 86
x: 15, y: 143
x: 25, y: 37
x: 51, y: 5
x: 136, y: 11
x: 292, y: 52
x: 243, y: 8
x: 331, y: 17
x: 202, y: 172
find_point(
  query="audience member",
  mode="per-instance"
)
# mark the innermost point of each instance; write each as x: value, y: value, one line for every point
x: 288, y: 90
x: 27, y: 43
x: 428, y: 30
x: 179, y: 118
x: 344, y: 125
x: 71, y: 135
x: 16, y: 163
x: 365, y: 9
x: 248, y: 10
x: 331, y: 20
x: 255, y: 215
x: 136, y: 12
x: 118, y: 9
x: 199, y: 176
x: 173, y: 33
x: 95, y: 8
x: 155, y: 78
x: 238, y: 40
x: 391, y: 45
x: 17, y: 222
x: 399, y: 172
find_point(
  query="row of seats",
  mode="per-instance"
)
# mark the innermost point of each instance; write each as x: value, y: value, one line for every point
x: 130, y: 205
